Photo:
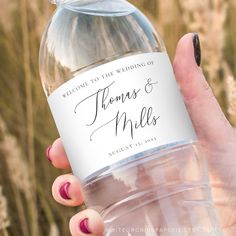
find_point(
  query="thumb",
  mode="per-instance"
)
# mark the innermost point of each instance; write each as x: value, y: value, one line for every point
x: 210, y: 123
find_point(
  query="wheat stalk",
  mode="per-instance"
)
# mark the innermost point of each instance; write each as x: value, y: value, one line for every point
x: 6, y: 10
x: 54, y: 231
x: 4, y: 219
x: 18, y: 171
x: 16, y: 165
x: 29, y: 113
x: 230, y: 85
x: 232, y: 97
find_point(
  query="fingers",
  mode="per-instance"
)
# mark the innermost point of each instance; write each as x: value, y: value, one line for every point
x: 210, y: 123
x: 57, y: 156
x: 87, y: 222
x: 67, y: 190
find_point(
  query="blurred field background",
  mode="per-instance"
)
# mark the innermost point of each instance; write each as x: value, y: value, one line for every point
x: 26, y: 125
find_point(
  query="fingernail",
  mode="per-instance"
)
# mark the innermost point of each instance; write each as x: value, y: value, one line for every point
x: 47, y: 152
x: 197, y: 49
x: 83, y: 225
x: 64, y: 191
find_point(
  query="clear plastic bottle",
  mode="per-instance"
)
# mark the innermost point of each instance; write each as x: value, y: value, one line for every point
x: 151, y: 188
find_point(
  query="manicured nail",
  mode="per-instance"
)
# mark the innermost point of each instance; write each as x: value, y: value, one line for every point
x: 64, y: 191
x: 197, y: 49
x: 47, y: 152
x: 83, y: 225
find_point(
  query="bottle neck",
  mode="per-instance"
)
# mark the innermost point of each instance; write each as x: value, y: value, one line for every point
x: 81, y: 2
x: 59, y: 2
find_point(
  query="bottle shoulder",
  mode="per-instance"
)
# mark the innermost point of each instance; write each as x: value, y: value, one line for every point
x: 74, y: 41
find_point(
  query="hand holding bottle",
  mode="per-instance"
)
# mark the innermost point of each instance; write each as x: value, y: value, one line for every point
x: 214, y: 132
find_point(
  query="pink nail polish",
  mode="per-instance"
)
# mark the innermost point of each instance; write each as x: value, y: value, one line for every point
x: 64, y: 191
x: 47, y: 153
x: 83, y: 225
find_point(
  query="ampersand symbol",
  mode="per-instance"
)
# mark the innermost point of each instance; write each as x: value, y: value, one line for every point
x: 149, y: 86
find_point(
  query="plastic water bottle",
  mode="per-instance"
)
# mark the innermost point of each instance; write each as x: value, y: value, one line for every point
x: 112, y: 92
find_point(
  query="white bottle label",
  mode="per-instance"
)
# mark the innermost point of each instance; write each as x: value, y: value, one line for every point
x: 118, y: 110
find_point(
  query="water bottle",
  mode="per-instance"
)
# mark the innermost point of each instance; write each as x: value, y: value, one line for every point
x: 129, y: 139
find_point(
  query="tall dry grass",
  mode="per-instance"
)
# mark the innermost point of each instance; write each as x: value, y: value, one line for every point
x: 209, y: 19
x: 26, y: 126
